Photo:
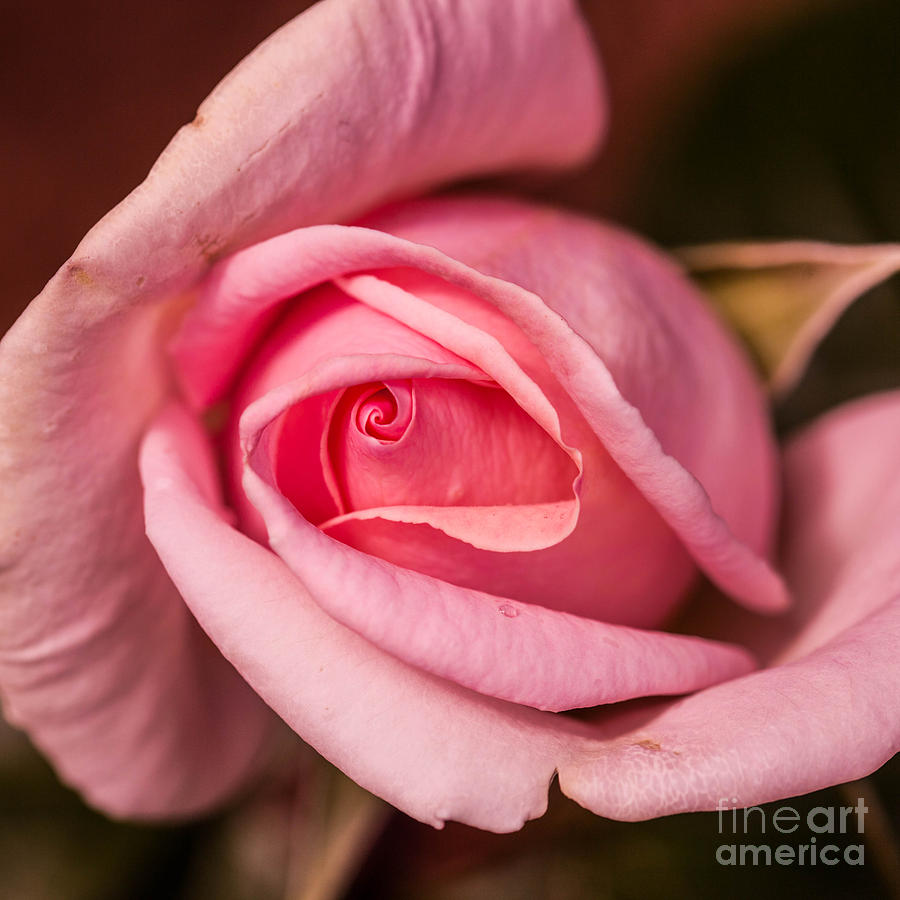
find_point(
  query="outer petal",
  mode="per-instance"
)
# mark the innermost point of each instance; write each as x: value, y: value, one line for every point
x: 350, y: 103
x: 361, y: 101
x: 830, y: 712
x: 99, y: 659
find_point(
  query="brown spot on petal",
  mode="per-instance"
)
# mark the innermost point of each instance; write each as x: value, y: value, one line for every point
x: 81, y: 276
x: 647, y: 744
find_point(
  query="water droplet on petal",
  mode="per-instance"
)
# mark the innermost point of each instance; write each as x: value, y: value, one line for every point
x: 508, y: 610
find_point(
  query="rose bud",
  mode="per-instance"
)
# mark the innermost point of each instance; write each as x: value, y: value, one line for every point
x: 416, y: 475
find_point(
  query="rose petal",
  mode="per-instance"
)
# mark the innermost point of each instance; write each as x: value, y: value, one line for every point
x: 829, y: 713
x: 324, y: 324
x: 784, y: 297
x: 688, y: 427
x: 822, y: 527
x: 384, y: 723
x: 622, y: 564
x: 102, y: 662
x: 842, y: 521
x: 99, y: 659
x: 461, y: 444
x: 388, y: 725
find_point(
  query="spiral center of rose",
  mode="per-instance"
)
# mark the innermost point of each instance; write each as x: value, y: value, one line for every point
x: 432, y: 442
x: 384, y: 411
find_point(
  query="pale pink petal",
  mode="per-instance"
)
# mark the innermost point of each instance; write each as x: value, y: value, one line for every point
x: 523, y: 528
x: 829, y: 713
x: 461, y: 444
x: 838, y: 525
x: 784, y: 297
x: 843, y: 519
x: 553, y: 580
x: 97, y: 659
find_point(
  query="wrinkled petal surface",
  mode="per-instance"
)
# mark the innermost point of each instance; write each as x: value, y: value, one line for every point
x: 391, y: 99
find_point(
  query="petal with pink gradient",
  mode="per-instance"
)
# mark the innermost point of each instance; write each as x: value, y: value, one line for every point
x: 827, y: 711
x: 689, y: 428
x: 311, y: 127
x: 528, y: 526
x: 353, y: 106
x: 323, y: 325
x: 455, y: 444
x: 622, y: 564
x: 99, y: 659
x: 429, y: 747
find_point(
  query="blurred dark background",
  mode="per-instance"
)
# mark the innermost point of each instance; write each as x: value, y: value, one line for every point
x: 732, y: 118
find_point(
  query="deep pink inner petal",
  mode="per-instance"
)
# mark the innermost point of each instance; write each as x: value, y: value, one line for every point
x: 384, y: 412
x: 440, y: 442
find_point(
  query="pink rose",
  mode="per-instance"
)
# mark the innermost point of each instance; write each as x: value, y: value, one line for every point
x: 421, y: 483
